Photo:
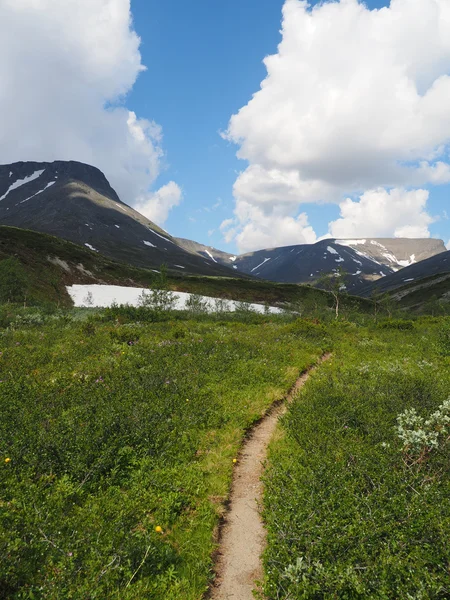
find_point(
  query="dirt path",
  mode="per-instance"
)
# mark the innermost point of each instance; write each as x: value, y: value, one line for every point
x: 242, y: 538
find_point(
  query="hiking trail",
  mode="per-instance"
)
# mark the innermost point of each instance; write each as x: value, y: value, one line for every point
x: 242, y: 535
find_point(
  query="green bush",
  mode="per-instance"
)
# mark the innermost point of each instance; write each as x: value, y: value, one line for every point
x: 351, y: 511
x: 402, y: 324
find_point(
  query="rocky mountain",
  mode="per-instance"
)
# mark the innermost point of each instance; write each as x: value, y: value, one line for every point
x: 74, y: 201
x: 411, y: 276
x: 362, y: 259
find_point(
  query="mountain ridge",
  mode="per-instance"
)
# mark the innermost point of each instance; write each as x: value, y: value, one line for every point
x: 363, y: 259
x: 74, y: 201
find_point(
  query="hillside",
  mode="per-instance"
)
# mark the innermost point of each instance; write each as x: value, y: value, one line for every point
x: 51, y: 264
x: 362, y: 259
x: 417, y: 285
x: 75, y: 202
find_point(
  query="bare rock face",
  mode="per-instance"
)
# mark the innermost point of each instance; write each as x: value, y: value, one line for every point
x: 75, y: 201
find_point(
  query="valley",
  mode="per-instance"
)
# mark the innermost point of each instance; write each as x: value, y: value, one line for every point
x: 122, y: 428
x: 137, y: 370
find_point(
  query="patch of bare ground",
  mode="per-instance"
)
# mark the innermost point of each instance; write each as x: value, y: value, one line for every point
x: 242, y: 535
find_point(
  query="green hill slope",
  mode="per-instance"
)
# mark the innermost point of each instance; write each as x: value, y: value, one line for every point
x: 51, y: 263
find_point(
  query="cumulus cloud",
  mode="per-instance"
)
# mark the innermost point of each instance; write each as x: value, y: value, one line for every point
x: 253, y: 229
x: 355, y: 99
x: 381, y: 213
x: 65, y: 69
x: 156, y: 206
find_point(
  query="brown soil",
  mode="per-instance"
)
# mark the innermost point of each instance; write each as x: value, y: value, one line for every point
x: 242, y: 536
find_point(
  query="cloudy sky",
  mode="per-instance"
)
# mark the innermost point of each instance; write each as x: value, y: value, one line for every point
x: 241, y: 124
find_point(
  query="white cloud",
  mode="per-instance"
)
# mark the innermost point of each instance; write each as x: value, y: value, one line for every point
x: 381, y: 213
x: 355, y: 99
x: 65, y: 69
x: 157, y: 205
x: 254, y: 229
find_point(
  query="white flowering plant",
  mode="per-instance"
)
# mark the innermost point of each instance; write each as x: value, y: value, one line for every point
x: 420, y: 435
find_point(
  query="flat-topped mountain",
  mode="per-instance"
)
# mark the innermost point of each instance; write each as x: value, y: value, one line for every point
x: 74, y: 201
x: 362, y: 259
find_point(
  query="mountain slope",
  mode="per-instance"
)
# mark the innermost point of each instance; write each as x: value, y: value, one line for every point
x: 363, y: 260
x: 416, y: 283
x: 74, y: 201
x: 52, y: 263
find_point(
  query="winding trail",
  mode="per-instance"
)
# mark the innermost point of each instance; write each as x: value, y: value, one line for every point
x: 242, y: 535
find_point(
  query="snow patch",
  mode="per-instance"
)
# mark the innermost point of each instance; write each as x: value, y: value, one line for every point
x: 105, y: 295
x: 118, y: 226
x: 331, y: 250
x: 162, y: 237
x: 210, y: 256
x: 260, y: 265
x: 37, y: 193
x: 21, y: 182
x: 91, y: 247
x: 412, y: 279
x: 180, y: 266
x: 148, y: 244
x: 233, y: 258
x: 374, y: 243
x: 391, y: 257
x: 407, y: 263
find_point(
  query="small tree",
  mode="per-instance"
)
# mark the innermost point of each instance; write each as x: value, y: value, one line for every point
x: 375, y: 296
x: 196, y: 304
x: 88, y: 300
x: 220, y: 305
x: 159, y: 298
x: 335, y: 284
x: 13, y: 281
x: 388, y: 303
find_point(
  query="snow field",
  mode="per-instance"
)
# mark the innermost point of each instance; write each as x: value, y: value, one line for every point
x: 102, y: 296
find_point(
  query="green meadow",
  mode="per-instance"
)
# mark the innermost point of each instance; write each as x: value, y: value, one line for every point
x: 119, y: 428
x: 357, y: 496
x: 117, y: 442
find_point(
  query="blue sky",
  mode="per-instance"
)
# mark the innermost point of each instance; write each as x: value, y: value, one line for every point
x: 204, y: 62
x: 256, y: 123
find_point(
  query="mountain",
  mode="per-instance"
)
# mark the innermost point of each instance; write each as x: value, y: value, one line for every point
x: 51, y: 263
x: 74, y: 201
x: 430, y: 277
x: 362, y: 259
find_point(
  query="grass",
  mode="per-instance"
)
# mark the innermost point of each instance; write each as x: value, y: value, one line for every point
x: 116, y: 447
x: 351, y: 512
x: 118, y: 433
